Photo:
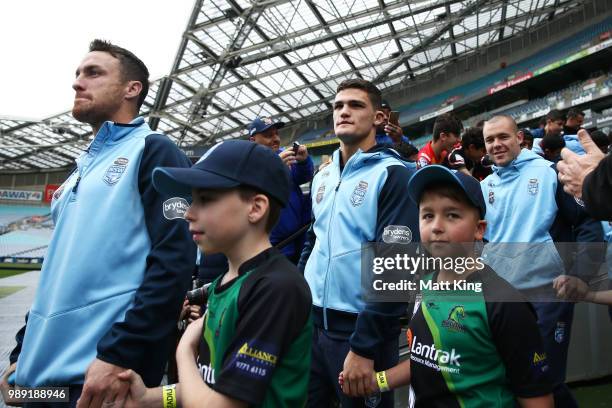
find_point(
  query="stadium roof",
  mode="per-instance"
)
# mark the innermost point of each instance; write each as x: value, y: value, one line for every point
x: 240, y: 59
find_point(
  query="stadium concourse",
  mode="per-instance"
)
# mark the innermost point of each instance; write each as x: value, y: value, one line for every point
x: 283, y: 59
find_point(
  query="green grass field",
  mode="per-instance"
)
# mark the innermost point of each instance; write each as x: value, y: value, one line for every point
x: 9, y: 290
x: 5, y: 273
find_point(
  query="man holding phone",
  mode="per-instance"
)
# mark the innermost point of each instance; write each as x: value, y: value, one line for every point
x: 390, y: 131
x: 296, y: 214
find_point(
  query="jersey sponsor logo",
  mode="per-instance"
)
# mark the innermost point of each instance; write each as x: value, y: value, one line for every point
x: 397, y: 234
x: 453, y: 323
x: 533, y: 186
x: 538, y: 358
x: 359, y: 193
x: 254, y: 360
x: 207, y: 372
x: 257, y: 354
x: 175, y: 207
x: 491, y: 197
x: 320, y: 193
x: 115, y: 171
x: 429, y: 355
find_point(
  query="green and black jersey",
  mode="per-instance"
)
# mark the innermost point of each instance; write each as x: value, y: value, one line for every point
x: 257, y: 334
x: 466, y: 351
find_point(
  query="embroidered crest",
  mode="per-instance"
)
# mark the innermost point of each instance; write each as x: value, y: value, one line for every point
x: 320, y: 193
x: 533, y: 186
x: 560, y: 332
x: 115, y: 171
x: 359, y: 194
x: 491, y: 197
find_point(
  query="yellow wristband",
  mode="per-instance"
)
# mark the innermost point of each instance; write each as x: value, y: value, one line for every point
x: 381, y: 380
x: 169, y: 396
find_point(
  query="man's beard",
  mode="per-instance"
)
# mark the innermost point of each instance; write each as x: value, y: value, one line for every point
x: 91, y: 114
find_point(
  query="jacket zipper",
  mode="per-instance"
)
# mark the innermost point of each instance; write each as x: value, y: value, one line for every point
x: 331, y: 218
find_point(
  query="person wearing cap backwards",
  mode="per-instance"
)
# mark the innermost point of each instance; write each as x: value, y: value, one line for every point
x: 252, y: 346
x: 463, y: 333
x: 360, y: 197
x: 527, y: 206
x: 389, y: 133
x: 296, y: 214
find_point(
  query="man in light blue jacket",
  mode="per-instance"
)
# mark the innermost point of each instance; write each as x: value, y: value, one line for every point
x: 120, y: 258
x: 526, y: 210
x: 360, y: 197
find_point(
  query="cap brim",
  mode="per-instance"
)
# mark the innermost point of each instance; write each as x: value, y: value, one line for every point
x: 179, y: 181
x: 428, y: 175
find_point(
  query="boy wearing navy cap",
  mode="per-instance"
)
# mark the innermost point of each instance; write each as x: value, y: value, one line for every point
x: 466, y: 347
x: 252, y: 346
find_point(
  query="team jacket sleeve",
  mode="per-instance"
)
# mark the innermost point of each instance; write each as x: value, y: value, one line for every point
x: 19, y: 339
x: 273, y: 312
x: 301, y: 173
x: 587, y: 234
x: 379, y: 321
x: 525, y: 359
x: 597, y: 191
x: 143, y: 340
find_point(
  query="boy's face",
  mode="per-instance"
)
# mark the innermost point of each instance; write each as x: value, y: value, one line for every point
x: 217, y: 219
x: 443, y: 220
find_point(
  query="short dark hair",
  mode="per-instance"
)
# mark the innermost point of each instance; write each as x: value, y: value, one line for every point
x: 574, y: 113
x: 555, y: 115
x: 601, y: 140
x: 132, y: 68
x: 473, y: 136
x: 367, y: 86
x: 247, y: 192
x: 446, y: 123
x: 405, y: 149
x: 527, y: 135
x: 552, y: 142
x: 451, y: 191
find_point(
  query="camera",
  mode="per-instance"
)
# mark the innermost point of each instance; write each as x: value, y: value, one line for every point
x: 296, y: 147
x: 198, y: 296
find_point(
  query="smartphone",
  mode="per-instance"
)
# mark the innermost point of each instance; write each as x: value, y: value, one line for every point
x: 394, y: 118
x: 296, y: 147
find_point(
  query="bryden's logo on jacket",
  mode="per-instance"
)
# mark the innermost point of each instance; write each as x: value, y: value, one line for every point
x: 175, y: 207
x: 397, y: 234
x: 115, y: 171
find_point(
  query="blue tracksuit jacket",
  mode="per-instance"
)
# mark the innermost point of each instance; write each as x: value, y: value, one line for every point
x: 526, y: 204
x: 365, y: 201
x: 117, y: 268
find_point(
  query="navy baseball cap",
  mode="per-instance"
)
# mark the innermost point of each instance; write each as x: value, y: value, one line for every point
x: 227, y: 165
x: 384, y: 104
x: 259, y: 125
x: 439, y: 174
